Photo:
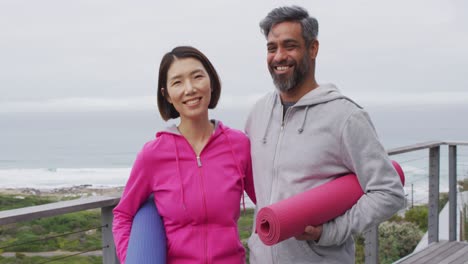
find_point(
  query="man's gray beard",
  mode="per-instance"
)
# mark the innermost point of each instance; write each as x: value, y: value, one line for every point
x: 297, y: 78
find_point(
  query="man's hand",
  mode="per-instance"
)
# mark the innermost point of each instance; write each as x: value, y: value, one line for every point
x: 311, y: 233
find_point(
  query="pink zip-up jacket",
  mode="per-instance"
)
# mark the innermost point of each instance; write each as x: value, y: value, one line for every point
x: 198, y: 198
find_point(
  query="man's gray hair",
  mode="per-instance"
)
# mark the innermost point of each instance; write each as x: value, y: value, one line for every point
x: 295, y: 14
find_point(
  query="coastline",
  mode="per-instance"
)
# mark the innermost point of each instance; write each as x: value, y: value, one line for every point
x: 76, y: 191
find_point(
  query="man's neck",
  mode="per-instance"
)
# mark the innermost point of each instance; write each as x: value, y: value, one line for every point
x: 293, y: 95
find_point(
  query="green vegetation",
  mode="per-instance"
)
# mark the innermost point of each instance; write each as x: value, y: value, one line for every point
x: 443, y: 199
x: 76, y: 232
x: 397, y: 237
x: 36, y: 230
x: 418, y: 215
x: 20, y: 258
x: 464, y: 187
x: 21, y: 233
x: 391, y: 237
x: 245, y: 224
x: 465, y: 213
x: 245, y: 229
x: 8, y: 202
x: 359, y: 251
x: 463, y: 184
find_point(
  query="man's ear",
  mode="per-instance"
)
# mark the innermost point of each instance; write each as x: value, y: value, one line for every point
x: 163, y: 92
x: 313, y: 49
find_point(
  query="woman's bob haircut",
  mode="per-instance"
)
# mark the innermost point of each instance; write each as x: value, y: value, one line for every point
x: 166, y: 109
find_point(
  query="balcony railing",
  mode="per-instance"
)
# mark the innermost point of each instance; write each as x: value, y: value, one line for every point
x: 64, y: 207
x: 106, y: 204
x: 434, y: 157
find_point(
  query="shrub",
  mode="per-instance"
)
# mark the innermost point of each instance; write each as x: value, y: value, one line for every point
x: 397, y: 240
x: 8, y: 202
x: 359, y: 252
x: 443, y: 199
x: 418, y: 215
x: 463, y: 185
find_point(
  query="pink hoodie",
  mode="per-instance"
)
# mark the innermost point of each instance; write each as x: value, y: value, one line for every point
x: 197, y: 197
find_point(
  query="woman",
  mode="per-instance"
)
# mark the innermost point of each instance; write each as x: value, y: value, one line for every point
x: 196, y: 171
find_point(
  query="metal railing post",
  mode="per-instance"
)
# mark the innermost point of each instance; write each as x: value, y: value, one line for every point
x: 108, y: 252
x: 434, y: 172
x: 452, y: 192
x: 371, y: 245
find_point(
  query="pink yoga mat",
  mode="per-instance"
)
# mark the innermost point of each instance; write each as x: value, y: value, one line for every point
x: 289, y: 217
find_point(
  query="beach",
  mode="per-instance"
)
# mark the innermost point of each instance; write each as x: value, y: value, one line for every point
x: 85, y: 154
x: 77, y: 191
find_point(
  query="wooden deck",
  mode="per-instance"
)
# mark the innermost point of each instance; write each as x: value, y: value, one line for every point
x: 442, y: 252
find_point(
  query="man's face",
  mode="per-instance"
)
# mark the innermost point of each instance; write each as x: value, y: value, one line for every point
x: 288, y: 58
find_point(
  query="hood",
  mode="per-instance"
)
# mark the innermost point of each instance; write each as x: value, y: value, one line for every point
x: 173, y: 130
x: 322, y: 94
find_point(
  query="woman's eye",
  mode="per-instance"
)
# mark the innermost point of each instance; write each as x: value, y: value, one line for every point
x: 198, y: 76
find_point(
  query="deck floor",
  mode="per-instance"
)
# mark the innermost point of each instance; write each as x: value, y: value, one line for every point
x: 442, y: 252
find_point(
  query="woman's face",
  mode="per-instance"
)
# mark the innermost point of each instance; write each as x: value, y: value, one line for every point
x: 188, y: 88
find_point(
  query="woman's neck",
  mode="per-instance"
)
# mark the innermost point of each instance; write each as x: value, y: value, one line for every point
x: 197, y: 132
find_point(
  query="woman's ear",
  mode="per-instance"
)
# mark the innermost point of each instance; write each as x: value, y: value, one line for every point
x: 163, y: 92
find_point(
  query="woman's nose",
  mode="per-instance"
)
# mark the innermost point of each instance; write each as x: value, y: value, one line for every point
x: 189, y: 88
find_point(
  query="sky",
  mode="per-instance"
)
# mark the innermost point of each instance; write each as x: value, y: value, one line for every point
x: 92, y: 55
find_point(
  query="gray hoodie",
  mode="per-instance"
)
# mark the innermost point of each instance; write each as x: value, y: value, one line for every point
x: 324, y: 135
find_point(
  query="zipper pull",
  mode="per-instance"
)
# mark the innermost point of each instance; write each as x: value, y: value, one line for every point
x: 199, y: 161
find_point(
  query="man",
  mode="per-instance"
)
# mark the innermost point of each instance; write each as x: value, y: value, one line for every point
x: 305, y: 134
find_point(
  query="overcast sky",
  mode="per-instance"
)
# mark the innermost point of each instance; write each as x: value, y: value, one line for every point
x: 71, y: 55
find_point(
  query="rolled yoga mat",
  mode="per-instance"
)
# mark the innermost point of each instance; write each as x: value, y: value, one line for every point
x: 289, y: 217
x: 147, y: 243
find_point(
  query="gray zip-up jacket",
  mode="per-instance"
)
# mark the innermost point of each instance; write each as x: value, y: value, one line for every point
x: 324, y: 135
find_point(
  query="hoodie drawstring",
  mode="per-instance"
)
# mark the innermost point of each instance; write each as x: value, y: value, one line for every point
x: 238, y: 169
x: 179, y: 174
x: 301, y: 129
x: 269, y: 121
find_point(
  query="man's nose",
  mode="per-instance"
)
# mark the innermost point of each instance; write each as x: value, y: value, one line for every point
x: 280, y: 55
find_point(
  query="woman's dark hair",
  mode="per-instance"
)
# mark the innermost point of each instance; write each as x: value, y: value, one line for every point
x: 166, y: 109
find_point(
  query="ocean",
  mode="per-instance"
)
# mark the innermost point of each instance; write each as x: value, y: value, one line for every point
x: 63, y: 149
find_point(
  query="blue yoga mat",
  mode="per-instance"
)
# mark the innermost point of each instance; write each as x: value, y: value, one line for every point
x: 147, y: 244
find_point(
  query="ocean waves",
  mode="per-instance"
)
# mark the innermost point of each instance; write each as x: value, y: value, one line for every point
x: 51, y: 178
